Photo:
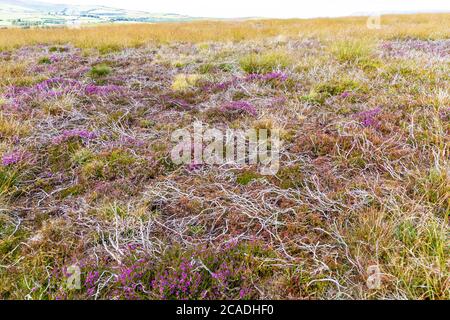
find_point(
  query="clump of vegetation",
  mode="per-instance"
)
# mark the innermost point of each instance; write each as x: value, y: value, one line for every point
x: 183, y: 82
x: 177, y: 274
x: 10, y: 127
x: 265, y: 62
x: 99, y: 71
x: 343, y: 87
x: 351, y: 51
x: 291, y: 177
x: 45, y: 60
x: 106, y: 165
x: 246, y: 177
x: 58, y: 49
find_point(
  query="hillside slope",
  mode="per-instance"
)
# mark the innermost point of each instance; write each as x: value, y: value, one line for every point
x: 34, y: 13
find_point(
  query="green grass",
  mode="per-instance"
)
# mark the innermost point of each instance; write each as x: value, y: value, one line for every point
x: 265, y: 62
x: 100, y: 71
x: 351, y: 51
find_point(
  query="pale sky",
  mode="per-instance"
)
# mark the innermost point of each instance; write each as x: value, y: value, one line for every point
x: 270, y: 8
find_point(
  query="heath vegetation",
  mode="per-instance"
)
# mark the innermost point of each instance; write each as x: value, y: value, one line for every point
x: 87, y: 181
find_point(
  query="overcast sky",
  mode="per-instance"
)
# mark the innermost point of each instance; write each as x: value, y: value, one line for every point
x: 270, y: 8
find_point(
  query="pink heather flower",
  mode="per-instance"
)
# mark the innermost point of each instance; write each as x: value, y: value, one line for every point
x: 56, y: 87
x: 91, y: 278
x: 194, y: 166
x: 276, y: 75
x: 240, y: 107
x: 101, y: 90
x: 223, y: 85
x: 368, y: 118
x: 80, y: 133
x: 243, y: 293
x: 13, y: 158
x: 445, y: 114
x: 278, y: 101
x: 54, y: 58
x: 437, y: 48
x: 180, y: 283
x: 90, y: 291
x: 130, y: 141
x: 345, y: 94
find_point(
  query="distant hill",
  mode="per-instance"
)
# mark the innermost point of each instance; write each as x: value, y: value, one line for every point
x: 34, y: 13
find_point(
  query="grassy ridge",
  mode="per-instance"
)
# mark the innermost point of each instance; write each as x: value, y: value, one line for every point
x: 120, y: 36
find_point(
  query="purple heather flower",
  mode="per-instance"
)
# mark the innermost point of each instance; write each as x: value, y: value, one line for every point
x: 240, y: 106
x: 368, y: 118
x: 243, y: 293
x: 54, y: 88
x: 54, y: 58
x: 13, y: 158
x: 222, y: 85
x: 194, y: 166
x: 131, y: 141
x: 80, y: 133
x: 181, y: 283
x: 275, y: 76
x: 436, y: 48
x: 445, y: 114
x: 345, y: 94
x: 91, y: 278
x: 278, y: 101
x: 253, y: 77
x: 101, y: 90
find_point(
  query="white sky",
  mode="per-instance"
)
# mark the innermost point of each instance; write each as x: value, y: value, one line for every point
x: 270, y: 8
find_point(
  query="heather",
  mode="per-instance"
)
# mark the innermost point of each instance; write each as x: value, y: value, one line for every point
x: 87, y: 180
